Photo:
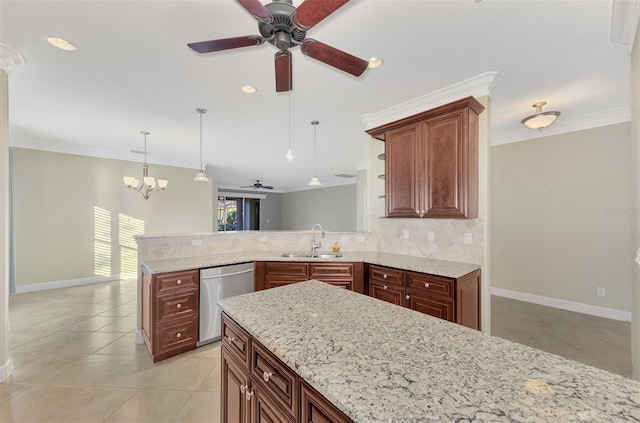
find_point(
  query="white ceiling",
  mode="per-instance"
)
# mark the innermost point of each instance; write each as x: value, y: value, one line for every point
x: 133, y: 71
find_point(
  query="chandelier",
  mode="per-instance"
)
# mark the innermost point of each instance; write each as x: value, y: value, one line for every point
x: 148, y: 185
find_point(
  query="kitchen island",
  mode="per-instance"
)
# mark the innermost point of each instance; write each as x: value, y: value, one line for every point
x: 376, y: 362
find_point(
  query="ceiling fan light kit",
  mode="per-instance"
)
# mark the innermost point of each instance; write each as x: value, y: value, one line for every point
x: 201, y: 176
x: 540, y: 119
x: 285, y: 26
x: 258, y: 185
x: 149, y: 185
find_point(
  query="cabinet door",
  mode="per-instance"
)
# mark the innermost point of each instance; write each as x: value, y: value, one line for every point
x: 446, y: 151
x: 265, y: 410
x: 284, y: 273
x: 440, y: 307
x: 468, y: 300
x: 234, y: 385
x: 316, y: 409
x: 389, y: 293
x: 338, y: 274
x: 401, y: 172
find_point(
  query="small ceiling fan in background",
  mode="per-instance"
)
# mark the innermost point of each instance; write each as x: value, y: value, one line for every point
x: 285, y: 26
x: 258, y: 185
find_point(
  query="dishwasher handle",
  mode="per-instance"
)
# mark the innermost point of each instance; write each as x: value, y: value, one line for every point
x: 222, y: 275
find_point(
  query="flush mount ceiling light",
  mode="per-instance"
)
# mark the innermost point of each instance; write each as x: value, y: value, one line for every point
x: 314, y: 181
x: 374, y: 62
x: 201, y: 176
x: 540, y: 119
x: 248, y: 89
x: 148, y: 185
x: 60, y: 43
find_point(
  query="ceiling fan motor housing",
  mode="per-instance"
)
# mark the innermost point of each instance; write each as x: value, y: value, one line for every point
x: 281, y: 32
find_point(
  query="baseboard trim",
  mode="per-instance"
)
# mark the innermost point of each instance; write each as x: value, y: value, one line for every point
x: 608, y: 313
x: 42, y: 286
x: 139, y: 338
x: 5, y: 370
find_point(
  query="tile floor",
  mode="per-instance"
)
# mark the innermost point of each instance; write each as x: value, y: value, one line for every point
x: 75, y: 359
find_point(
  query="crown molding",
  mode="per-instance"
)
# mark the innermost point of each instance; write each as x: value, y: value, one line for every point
x: 625, y: 15
x: 562, y: 126
x: 10, y: 58
x: 477, y: 86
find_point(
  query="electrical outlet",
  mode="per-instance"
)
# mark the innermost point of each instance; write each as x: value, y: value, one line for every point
x: 345, y: 238
x: 263, y: 239
x: 196, y: 242
x: 430, y: 236
x: 405, y: 233
x: 600, y: 291
x: 359, y: 239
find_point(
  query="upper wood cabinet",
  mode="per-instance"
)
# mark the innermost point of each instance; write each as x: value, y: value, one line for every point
x: 431, y: 162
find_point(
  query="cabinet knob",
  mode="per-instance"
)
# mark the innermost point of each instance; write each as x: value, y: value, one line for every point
x: 384, y: 286
x: 230, y: 340
x: 179, y: 305
x: 249, y: 394
x: 242, y: 389
x: 266, y: 376
x: 426, y: 285
x: 178, y: 335
x: 179, y: 281
x: 422, y: 212
x: 384, y: 275
x: 408, y: 296
x: 418, y: 212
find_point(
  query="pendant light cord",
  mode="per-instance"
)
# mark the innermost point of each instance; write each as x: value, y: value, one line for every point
x: 200, y: 140
x: 289, y: 120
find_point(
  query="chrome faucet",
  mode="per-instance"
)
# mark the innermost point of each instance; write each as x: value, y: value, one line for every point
x: 315, y: 245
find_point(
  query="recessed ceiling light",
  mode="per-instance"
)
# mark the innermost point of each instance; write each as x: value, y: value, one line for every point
x: 375, y: 62
x: 248, y: 89
x: 60, y: 43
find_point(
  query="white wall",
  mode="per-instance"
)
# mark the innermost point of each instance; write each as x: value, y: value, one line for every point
x: 75, y: 219
x: 635, y: 201
x: 5, y: 364
x: 561, y: 221
x: 335, y: 208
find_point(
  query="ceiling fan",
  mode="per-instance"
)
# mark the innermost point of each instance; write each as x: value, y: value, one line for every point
x: 285, y: 26
x: 258, y: 185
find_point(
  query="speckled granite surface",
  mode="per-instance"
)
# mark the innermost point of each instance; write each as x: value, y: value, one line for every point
x: 382, y: 363
x: 418, y: 264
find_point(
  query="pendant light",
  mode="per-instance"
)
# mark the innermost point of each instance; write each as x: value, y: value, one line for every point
x: 314, y: 181
x: 540, y: 119
x: 149, y: 185
x: 289, y: 153
x: 201, y: 176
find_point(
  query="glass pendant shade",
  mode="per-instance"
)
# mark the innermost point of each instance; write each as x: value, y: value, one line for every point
x: 149, y: 184
x: 201, y: 176
x: 315, y: 181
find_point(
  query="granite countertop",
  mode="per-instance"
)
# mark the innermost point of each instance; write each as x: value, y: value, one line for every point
x: 446, y: 268
x: 378, y: 362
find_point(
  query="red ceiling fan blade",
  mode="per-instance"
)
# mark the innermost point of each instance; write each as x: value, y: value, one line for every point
x: 226, y: 43
x: 257, y: 10
x: 310, y: 12
x: 334, y: 57
x: 284, y: 79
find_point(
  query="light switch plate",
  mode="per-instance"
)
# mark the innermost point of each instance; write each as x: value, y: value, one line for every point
x: 405, y: 233
x: 430, y: 236
x: 360, y: 239
x: 468, y: 238
x: 196, y: 242
x: 345, y: 238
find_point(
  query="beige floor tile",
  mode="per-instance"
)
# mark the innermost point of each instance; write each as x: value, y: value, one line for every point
x: 212, y: 382
x: 150, y: 406
x: 42, y: 368
x: 612, y: 357
x: 22, y: 358
x: 125, y: 345
x: 9, y: 391
x: 182, y: 374
x: 51, y: 342
x: 36, y: 404
x: 83, y: 373
x: 92, y: 405
x: 91, y: 343
x: 92, y: 323
x: 124, y: 324
x: 201, y: 407
x: 132, y: 374
x: 123, y: 310
x: 206, y: 351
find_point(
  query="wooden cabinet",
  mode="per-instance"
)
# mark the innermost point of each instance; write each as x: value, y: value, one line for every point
x: 454, y: 299
x: 431, y: 162
x: 170, y: 304
x: 257, y: 387
x: 271, y: 274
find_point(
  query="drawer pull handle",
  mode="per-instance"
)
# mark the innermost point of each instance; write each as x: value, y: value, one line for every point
x: 408, y: 296
x: 179, y: 281
x: 418, y: 212
x: 179, y: 305
x: 266, y: 376
x: 249, y: 394
x: 426, y: 285
x: 384, y: 286
x: 242, y: 389
x: 384, y: 275
x: 178, y: 335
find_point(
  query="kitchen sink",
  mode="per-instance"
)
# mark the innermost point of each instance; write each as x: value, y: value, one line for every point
x: 301, y: 254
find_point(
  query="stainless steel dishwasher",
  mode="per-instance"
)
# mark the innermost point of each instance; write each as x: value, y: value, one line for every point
x: 217, y: 283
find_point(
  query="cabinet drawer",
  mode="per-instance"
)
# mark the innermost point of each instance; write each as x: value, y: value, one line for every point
x: 168, y: 282
x: 389, y: 293
x: 236, y: 340
x: 176, y: 334
x: 440, y: 307
x: 386, y: 275
x: 177, y: 306
x: 280, y: 381
x: 315, y: 408
x: 430, y: 284
x: 292, y: 269
x: 330, y: 270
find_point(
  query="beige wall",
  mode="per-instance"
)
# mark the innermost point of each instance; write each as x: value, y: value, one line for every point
x: 560, y: 216
x: 635, y: 201
x: 5, y: 365
x: 333, y: 207
x: 70, y: 209
x: 361, y: 200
